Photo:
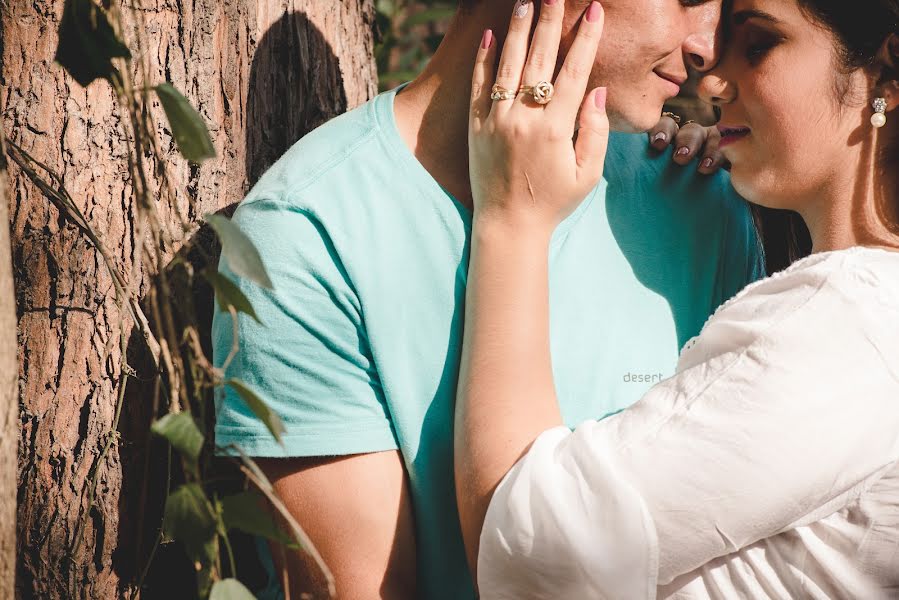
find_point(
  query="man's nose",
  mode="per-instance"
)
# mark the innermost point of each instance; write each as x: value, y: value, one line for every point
x: 702, y: 48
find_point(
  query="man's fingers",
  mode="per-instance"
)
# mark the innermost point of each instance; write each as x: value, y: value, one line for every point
x: 712, y: 159
x: 592, y: 139
x: 688, y: 142
x: 541, y: 64
x: 481, y: 83
x: 663, y: 133
x: 515, y: 49
x: 571, y: 84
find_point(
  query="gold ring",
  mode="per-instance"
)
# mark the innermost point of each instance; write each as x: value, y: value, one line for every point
x: 672, y: 116
x: 500, y: 93
x: 689, y: 121
x: 542, y: 92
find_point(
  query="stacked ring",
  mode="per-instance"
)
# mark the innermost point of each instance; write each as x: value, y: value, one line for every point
x: 501, y: 93
x: 672, y: 116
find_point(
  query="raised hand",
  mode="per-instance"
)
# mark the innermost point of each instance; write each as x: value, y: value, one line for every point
x: 690, y: 141
x: 527, y: 167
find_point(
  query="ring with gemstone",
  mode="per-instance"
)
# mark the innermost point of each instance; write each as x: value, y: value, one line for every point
x: 542, y: 92
x: 500, y: 93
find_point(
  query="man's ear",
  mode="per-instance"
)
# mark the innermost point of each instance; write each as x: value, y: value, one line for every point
x: 888, y: 61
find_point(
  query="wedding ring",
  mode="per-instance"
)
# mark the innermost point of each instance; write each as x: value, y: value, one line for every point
x: 672, y: 116
x: 542, y: 92
x: 501, y: 93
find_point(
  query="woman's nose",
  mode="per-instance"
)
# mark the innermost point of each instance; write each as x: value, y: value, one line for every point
x: 714, y: 89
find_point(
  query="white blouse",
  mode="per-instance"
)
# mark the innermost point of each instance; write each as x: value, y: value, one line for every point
x: 767, y: 467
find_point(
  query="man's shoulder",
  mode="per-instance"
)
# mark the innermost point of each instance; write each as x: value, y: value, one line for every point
x: 637, y: 171
x: 326, y: 162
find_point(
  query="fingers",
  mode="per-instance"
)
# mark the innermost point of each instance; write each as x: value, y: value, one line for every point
x: 571, y: 84
x: 712, y: 159
x: 515, y: 48
x: 592, y: 138
x: 544, y: 52
x: 663, y: 133
x: 688, y: 142
x: 481, y: 81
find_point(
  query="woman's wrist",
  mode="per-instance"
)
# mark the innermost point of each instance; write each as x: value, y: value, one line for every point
x: 511, y: 227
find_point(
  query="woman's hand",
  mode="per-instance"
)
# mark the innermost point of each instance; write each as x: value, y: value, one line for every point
x: 526, y: 168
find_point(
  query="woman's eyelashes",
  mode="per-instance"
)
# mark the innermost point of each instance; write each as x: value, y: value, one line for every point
x: 758, y: 46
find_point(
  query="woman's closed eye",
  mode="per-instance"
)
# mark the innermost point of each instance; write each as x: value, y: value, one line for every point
x: 758, y: 45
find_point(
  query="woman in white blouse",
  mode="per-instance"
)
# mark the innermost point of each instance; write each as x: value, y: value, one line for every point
x: 767, y: 466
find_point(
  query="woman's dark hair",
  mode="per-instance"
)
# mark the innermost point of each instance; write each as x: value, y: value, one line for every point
x: 861, y: 27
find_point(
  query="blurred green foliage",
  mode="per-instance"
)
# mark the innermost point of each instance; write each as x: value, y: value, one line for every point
x: 410, y: 31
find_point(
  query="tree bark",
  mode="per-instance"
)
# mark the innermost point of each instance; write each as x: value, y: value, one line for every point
x: 9, y: 407
x: 261, y: 73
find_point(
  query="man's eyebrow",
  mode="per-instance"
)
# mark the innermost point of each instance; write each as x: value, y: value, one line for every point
x: 744, y: 15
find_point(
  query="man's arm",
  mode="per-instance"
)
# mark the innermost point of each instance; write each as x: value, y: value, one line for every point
x: 337, y: 465
x: 357, y: 511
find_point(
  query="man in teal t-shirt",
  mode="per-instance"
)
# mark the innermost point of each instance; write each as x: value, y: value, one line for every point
x: 366, y: 243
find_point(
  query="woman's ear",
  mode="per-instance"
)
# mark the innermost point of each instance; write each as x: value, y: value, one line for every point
x: 888, y: 61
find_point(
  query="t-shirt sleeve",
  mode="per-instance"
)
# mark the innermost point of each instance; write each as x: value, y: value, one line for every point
x: 309, y: 359
x: 783, y: 428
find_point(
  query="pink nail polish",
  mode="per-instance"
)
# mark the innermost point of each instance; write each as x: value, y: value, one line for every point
x: 594, y: 12
x: 707, y: 163
x: 683, y: 151
x: 487, y: 39
x: 599, y: 98
x: 660, y: 137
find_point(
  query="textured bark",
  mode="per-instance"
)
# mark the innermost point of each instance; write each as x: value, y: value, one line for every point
x: 262, y: 73
x: 9, y: 408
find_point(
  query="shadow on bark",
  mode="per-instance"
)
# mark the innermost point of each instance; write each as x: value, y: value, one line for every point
x: 295, y: 85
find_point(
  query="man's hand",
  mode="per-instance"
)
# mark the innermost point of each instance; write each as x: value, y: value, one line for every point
x: 358, y: 513
x: 690, y: 141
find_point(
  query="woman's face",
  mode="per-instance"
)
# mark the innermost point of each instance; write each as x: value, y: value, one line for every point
x: 787, y: 117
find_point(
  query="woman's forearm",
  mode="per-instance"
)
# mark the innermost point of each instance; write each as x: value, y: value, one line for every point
x: 506, y: 394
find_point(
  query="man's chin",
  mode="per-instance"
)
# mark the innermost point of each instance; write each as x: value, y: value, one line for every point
x: 631, y: 121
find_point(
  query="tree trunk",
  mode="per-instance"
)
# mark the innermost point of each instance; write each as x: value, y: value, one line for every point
x: 262, y: 73
x: 9, y: 407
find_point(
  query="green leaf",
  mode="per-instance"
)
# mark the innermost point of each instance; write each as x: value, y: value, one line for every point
x: 230, y: 589
x: 246, y: 512
x: 430, y: 15
x: 182, y: 433
x: 187, y: 125
x: 88, y: 43
x: 239, y: 252
x: 228, y: 294
x: 259, y: 407
x: 189, y: 519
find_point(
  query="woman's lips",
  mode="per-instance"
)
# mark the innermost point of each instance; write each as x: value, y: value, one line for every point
x: 731, y: 134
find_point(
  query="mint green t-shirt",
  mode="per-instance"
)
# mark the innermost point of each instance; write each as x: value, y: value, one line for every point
x: 360, y: 342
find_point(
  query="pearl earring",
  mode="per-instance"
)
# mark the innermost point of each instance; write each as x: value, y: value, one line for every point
x: 879, y: 118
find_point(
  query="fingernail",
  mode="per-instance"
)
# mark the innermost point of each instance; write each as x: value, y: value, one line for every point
x: 599, y: 98
x: 488, y: 37
x: 707, y: 163
x: 521, y: 8
x: 660, y: 137
x: 683, y: 151
x: 594, y: 12
x: 549, y: 2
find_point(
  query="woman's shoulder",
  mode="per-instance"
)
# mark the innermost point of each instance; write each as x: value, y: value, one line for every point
x: 858, y: 283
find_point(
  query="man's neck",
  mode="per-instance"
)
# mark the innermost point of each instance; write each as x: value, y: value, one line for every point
x: 432, y: 111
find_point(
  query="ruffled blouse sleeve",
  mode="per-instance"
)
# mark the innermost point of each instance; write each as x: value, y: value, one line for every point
x: 783, y: 411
